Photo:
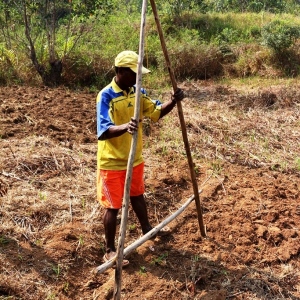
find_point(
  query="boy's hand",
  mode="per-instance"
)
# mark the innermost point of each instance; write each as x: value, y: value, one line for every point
x: 178, y: 95
x: 133, y: 125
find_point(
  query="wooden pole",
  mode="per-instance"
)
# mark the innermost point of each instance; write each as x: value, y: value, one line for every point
x: 102, y: 268
x: 182, y: 122
x: 125, y: 204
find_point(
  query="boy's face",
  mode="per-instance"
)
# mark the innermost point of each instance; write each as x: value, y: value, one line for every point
x: 126, y: 78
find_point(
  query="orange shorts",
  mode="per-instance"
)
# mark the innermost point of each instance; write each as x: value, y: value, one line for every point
x: 110, y: 185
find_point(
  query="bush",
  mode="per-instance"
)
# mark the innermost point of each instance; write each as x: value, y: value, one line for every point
x: 203, y: 62
x: 279, y: 35
x: 228, y: 35
x: 274, y: 6
x: 252, y: 60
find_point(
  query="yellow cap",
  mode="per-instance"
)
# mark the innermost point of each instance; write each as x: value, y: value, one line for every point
x: 129, y: 59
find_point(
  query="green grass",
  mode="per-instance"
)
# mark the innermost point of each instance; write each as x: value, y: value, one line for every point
x: 160, y: 259
x: 3, y: 240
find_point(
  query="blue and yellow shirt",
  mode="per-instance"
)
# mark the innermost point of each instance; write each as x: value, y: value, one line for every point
x: 116, y: 107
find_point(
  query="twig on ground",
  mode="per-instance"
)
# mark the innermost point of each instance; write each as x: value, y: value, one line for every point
x: 12, y: 152
x: 71, y: 215
x: 11, y: 175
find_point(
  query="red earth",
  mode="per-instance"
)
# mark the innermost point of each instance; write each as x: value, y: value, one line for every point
x: 51, y: 233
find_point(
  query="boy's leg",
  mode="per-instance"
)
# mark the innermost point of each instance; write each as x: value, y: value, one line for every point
x: 139, y: 207
x: 110, y: 227
x: 109, y: 194
x: 110, y: 188
x: 137, y: 199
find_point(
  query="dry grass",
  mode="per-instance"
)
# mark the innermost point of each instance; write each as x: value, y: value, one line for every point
x: 258, y: 127
x: 48, y: 173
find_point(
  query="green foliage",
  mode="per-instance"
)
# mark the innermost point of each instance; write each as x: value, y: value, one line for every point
x: 92, y: 7
x: 52, y: 30
x: 279, y: 35
x: 87, y: 35
x: 124, y: 35
x: 161, y: 260
x: 42, y: 196
x: 216, y: 27
x: 228, y: 35
x: 132, y: 227
x: 9, y: 63
x: 274, y: 6
x: 3, y: 240
x: 9, y: 55
x: 56, y: 270
x: 251, y: 62
x: 176, y: 8
x: 143, y: 270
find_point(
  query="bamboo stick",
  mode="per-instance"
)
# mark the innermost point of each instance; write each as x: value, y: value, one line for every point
x: 102, y: 268
x: 182, y: 121
x: 125, y: 204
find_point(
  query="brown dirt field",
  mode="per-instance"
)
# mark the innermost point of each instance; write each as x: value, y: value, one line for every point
x: 246, y: 149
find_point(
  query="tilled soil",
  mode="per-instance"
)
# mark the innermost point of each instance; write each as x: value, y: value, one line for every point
x: 51, y: 233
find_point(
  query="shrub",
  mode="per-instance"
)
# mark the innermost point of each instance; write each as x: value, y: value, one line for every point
x: 279, y: 35
x: 252, y: 60
x: 228, y: 35
x: 203, y: 62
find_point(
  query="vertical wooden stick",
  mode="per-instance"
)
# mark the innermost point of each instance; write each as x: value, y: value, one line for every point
x: 125, y: 204
x: 182, y: 122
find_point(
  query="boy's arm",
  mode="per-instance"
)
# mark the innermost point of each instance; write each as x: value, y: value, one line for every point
x: 118, y: 130
x: 169, y: 105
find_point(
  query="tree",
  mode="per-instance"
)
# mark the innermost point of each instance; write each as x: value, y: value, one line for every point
x: 41, y: 20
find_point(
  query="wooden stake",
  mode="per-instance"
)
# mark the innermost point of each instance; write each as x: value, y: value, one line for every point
x: 102, y: 268
x: 125, y: 204
x: 182, y: 122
